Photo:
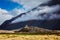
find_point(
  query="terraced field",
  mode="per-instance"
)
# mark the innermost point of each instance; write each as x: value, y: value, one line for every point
x: 28, y: 37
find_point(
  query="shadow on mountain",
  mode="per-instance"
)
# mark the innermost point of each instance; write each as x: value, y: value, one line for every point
x: 46, y: 24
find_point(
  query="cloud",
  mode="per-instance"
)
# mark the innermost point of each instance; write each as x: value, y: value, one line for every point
x: 29, y: 4
x: 4, y: 15
x: 51, y: 3
x: 26, y: 17
x: 17, y: 11
x: 49, y: 14
x: 50, y: 11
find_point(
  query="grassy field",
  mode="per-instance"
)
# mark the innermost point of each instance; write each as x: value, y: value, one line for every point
x: 28, y: 37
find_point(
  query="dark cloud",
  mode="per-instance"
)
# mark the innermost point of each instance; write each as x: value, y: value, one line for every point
x: 51, y: 3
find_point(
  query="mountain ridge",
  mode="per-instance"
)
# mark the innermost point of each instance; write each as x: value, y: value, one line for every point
x: 47, y: 24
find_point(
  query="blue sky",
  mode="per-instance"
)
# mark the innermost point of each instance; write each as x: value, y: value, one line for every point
x: 6, y: 6
x: 9, y: 5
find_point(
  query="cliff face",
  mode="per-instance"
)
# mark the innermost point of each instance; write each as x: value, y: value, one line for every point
x: 47, y: 24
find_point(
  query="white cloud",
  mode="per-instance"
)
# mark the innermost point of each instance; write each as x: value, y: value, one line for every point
x: 34, y: 14
x: 4, y: 15
x: 17, y: 11
x: 47, y: 9
x: 29, y: 4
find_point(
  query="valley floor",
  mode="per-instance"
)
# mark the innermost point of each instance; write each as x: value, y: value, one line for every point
x: 28, y: 37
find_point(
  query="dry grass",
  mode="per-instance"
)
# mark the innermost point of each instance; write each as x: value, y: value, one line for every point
x: 28, y: 37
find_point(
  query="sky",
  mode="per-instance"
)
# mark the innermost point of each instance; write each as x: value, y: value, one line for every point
x: 9, y: 5
x: 12, y: 8
x: 6, y: 7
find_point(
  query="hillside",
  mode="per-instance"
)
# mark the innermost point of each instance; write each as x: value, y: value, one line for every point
x: 46, y: 24
x: 33, y: 26
x: 31, y: 29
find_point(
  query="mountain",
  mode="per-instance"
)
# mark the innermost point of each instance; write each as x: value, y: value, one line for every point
x: 30, y: 29
x: 37, y: 30
x: 47, y: 17
x: 46, y: 24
